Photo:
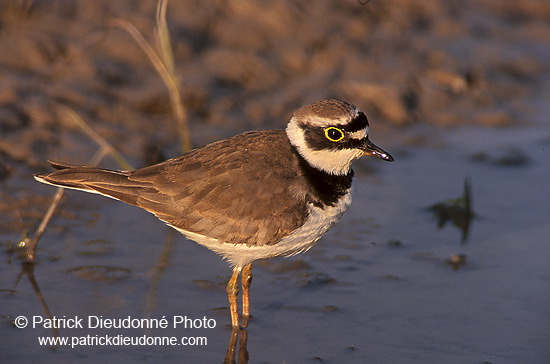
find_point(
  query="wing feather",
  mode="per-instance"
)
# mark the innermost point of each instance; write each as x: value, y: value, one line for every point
x: 241, y: 190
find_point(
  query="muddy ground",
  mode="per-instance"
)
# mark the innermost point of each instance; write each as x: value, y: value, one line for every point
x: 248, y: 65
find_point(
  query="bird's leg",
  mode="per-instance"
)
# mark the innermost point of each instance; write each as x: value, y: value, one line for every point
x: 232, y: 293
x: 246, y: 279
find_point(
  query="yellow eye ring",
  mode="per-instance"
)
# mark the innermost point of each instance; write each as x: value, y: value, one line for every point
x: 334, y: 134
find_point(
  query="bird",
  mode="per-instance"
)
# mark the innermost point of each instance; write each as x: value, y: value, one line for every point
x: 257, y: 195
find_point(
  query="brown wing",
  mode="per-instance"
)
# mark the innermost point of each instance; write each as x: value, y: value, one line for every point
x: 242, y: 190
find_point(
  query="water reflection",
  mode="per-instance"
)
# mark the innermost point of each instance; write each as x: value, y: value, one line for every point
x: 242, y: 351
x: 27, y: 268
x: 458, y: 211
x: 157, y: 272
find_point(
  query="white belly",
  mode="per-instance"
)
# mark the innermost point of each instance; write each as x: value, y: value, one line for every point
x: 300, y: 240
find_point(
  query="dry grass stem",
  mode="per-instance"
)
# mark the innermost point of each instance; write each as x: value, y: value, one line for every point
x: 105, y: 148
x: 31, y: 243
x: 163, y: 62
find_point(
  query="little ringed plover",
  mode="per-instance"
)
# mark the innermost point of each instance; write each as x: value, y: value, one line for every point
x: 257, y: 195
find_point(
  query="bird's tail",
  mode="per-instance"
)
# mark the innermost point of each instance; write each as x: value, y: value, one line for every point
x: 110, y: 183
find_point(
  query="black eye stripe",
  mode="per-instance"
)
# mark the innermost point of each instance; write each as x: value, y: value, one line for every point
x: 316, y: 139
x: 360, y: 122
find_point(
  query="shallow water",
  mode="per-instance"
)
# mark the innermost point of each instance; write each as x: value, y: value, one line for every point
x: 377, y: 288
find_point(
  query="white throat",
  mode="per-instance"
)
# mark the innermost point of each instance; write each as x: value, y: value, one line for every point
x: 337, y: 162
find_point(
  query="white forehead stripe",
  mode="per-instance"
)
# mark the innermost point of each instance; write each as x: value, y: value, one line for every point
x: 359, y: 134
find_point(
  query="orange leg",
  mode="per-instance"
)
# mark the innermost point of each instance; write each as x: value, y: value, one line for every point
x: 246, y: 279
x: 232, y: 294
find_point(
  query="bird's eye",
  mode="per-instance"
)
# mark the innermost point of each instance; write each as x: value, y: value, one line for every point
x: 334, y: 134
